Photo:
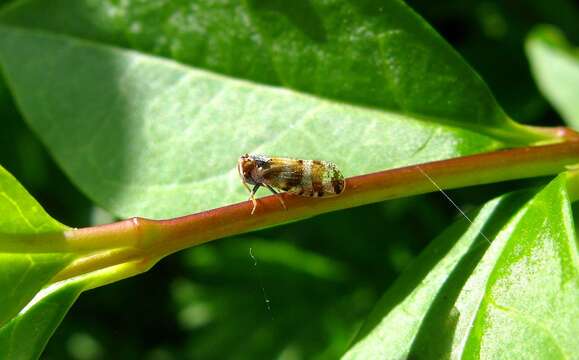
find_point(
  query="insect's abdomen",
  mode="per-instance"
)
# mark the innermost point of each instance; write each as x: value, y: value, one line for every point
x: 319, y: 178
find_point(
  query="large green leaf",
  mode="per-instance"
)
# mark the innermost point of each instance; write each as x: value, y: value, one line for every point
x: 376, y: 53
x: 555, y: 65
x: 146, y: 136
x: 467, y: 298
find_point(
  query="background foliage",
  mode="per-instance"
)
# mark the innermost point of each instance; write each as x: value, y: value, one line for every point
x: 325, y: 272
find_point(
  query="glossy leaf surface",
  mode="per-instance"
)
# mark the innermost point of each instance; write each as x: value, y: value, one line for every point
x: 22, y: 275
x: 24, y: 329
x: 373, y: 53
x: 467, y: 298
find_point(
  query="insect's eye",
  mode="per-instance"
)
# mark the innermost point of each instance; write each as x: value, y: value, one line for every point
x: 247, y: 165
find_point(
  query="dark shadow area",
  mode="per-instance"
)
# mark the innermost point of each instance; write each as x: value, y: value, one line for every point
x: 125, y: 319
x: 478, y: 29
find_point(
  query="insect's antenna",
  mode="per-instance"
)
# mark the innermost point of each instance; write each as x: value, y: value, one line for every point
x: 452, y: 202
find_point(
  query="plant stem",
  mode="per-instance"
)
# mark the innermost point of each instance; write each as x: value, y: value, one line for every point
x: 150, y: 240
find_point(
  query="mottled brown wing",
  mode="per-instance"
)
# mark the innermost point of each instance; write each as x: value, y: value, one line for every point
x: 321, y: 178
x: 312, y: 178
x: 283, y: 173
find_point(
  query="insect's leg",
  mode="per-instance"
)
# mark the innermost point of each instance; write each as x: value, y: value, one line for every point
x: 252, y: 196
x: 279, y: 197
x: 246, y: 186
x: 242, y: 178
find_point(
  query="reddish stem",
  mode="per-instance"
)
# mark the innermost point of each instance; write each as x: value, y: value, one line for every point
x: 149, y: 240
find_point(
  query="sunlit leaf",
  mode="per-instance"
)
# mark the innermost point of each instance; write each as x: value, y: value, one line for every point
x: 466, y: 297
x: 555, y: 65
x: 22, y: 275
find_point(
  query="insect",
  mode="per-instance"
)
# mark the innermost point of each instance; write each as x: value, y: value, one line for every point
x: 312, y: 178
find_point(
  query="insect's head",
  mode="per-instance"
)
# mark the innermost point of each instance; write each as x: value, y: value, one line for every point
x: 249, y: 164
x: 245, y: 166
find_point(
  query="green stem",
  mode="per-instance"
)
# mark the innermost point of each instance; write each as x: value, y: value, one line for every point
x: 149, y: 240
x: 541, y: 135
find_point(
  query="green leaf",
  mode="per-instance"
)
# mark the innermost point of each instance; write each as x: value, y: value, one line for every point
x: 146, y: 136
x: 373, y: 53
x: 466, y: 297
x: 26, y: 335
x: 22, y: 275
x: 555, y: 66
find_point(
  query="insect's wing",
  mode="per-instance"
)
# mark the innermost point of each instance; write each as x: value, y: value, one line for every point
x: 283, y: 173
x: 313, y: 178
x: 324, y: 179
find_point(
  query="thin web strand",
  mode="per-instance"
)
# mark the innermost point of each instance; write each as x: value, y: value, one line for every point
x: 451, y: 201
x: 265, y: 297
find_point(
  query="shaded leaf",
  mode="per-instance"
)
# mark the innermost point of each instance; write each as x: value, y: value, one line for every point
x: 555, y: 66
x: 464, y: 297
